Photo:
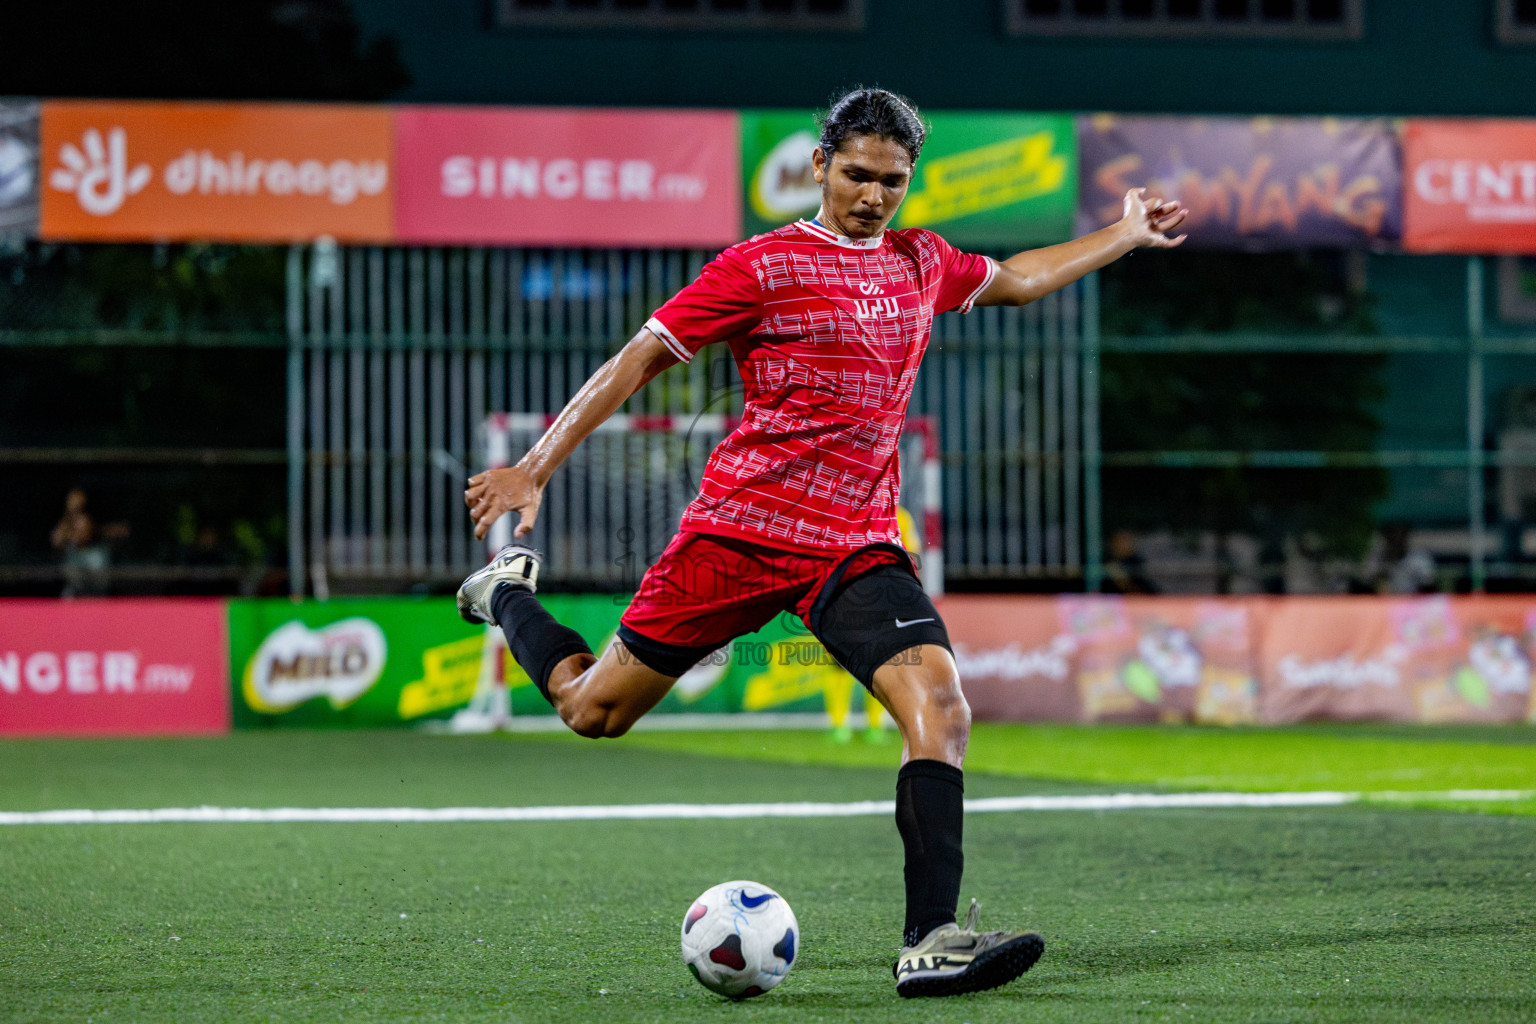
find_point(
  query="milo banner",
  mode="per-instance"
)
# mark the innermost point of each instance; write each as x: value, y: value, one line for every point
x: 984, y: 180
x: 383, y: 661
x: 376, y: 661
x: 779, y: 669
x: 1250, y: 183
x: 1237, y: 660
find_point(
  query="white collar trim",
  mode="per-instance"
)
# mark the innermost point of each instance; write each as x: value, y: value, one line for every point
x: 829, y: 235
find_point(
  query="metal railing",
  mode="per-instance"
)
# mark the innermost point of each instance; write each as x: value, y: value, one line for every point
x: 397, y: 355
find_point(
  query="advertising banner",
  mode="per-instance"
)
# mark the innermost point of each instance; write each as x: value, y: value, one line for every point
x: 780, y: 668
x: 18, y: 167
x: 113, y: 668
x: 1428, y: 659
x: 1249, y: 183
x: 386, y: 661
x: 221, y: 171
x: 1470, y: 186
x: 568, y: 177
x: 984, y: 180
x: 1068, y: 658
x: 1238, y: 660
x: 362, y: 662
x: 1105, y: 659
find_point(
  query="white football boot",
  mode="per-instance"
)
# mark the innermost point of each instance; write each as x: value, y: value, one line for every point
x: 516, y: 564
x: 950, y: 959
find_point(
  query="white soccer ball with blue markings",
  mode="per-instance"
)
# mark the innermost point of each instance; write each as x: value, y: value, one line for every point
x: 740, y: 939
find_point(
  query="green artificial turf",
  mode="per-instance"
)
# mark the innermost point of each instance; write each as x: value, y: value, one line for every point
x: 1351, y: 758
x: 1348, y: 914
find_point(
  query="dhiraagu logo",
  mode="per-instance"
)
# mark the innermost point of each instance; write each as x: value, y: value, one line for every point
x: 986, y: 178
x: 295, y: 663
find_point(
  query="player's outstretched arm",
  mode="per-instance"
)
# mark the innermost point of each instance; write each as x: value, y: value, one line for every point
x: 1030, y: 275
x: 520, y: 488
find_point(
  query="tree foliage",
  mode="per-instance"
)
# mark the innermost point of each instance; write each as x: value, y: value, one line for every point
x: 1244, y: 402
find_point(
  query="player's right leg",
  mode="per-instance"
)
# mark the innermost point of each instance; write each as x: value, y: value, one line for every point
x: 890, y: 636
x: 596, y: 697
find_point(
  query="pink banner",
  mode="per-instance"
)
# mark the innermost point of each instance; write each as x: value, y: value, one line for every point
x: 567, y: 177
x: 113, y: 668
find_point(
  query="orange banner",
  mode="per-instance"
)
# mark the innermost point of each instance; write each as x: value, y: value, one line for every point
x: 1426, y: 659
x: 241, y: 172
x: 1250, y: 659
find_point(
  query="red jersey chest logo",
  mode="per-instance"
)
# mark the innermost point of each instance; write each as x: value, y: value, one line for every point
x: 845, y: 301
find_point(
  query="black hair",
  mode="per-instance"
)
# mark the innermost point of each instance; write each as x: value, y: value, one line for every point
x: 873, y: 112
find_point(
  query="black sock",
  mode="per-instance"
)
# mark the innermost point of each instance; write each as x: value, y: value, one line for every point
x: 537, y: 641
x: 930, y: 808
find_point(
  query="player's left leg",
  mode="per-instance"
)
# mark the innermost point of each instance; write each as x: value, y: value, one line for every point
x: 888, y: 634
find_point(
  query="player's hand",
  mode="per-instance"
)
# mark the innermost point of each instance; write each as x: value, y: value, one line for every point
x: 1150, y: 220
x: 497, y: 491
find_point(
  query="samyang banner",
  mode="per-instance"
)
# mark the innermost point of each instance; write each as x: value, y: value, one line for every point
x: 1249, y: 183
x: 113, y: 667
x: 18, y: 167
x: 251, y: 172
x: 568, y: 177
x: 984, y: 180
x: 1470, y: 186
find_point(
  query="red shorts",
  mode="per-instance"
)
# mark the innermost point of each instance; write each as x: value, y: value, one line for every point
x: 706, y: 589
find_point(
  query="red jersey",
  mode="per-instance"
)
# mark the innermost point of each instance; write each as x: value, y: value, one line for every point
x: 827, y: 332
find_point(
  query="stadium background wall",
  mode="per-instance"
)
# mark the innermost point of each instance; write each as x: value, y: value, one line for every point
x: 965, y: 60
x: 145, y: 667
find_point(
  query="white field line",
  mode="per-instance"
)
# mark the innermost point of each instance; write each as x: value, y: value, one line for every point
x: 673, y: 812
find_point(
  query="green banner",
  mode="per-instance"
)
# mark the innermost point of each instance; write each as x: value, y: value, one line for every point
x: 780, y: 668
x: 364, y: 662
x: 984, y: 180
x: 393, y: 661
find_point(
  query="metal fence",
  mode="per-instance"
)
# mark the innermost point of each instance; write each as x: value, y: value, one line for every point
x: 396, y: 356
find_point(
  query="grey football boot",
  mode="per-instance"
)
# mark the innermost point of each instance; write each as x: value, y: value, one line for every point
x: 951, y: 960
x: 516, y: 564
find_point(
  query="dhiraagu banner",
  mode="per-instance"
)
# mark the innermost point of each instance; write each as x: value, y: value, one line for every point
x: 985, y: 180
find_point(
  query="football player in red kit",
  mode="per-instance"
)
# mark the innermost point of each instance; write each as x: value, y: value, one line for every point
x: 827, y: 320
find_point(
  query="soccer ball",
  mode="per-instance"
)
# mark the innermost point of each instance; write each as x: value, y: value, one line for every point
x: 740, y: 939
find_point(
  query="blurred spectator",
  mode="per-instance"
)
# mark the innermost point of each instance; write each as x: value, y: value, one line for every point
x: 1124, y: 569
x: 1397, y: 567
x: 213, y: 567
x: 85, y: 556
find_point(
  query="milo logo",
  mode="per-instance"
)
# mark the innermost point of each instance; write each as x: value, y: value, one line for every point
x: 785, y: 185
x: 295, y: 663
